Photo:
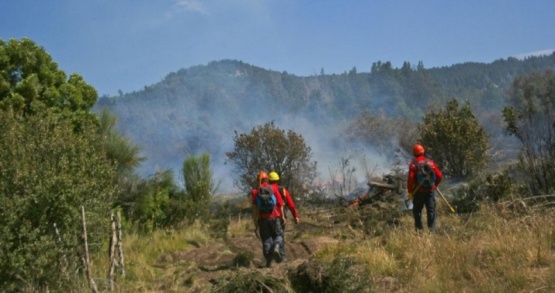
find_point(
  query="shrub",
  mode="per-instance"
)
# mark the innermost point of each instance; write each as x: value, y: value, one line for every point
x: 47, y: 172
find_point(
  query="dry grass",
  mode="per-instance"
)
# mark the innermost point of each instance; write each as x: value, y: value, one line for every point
x: 484, y: 253
x: 149, y: 260
x: 490, y: 250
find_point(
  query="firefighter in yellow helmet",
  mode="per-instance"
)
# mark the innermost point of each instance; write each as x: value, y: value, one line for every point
x: 267, y: 207
x: 273, y: 177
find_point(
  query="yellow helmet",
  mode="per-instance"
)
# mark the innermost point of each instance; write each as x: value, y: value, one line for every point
x: 273, y: 176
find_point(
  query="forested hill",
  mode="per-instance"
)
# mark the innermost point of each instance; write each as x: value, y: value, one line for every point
x: 198, y: 109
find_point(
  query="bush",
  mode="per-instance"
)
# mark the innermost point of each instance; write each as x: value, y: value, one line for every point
x: 490, y: 188
x: 340, y: 276
x: 530, y: 117
x: 47, y: 172
x: 457, y: 141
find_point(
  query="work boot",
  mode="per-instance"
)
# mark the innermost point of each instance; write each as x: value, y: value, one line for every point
x: 277, y: 254
x: 269, y: 263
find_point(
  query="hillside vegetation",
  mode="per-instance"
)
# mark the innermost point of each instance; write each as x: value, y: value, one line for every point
x: 197, y: 109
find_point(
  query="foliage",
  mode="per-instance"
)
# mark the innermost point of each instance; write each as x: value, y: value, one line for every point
x: 487, y: 189
x: 30, y: 83
x: 530, y: 116
x: 118, y: 148
x: 197, y: 175
x: 157, y: 202
x: 457, y: 141
x: 199, y: 185
x: 149, y: 203
x: 269, y: 148
x: 247, y: 281
x: 47, y: 172
x: 341, y: 275
x: 193, y: 109
x: 219, y: 225
x: 384, y: 134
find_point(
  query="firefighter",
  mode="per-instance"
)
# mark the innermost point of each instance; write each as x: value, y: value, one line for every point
x: 268, y: 223
x: 423, y: 178
x: 288, y: 200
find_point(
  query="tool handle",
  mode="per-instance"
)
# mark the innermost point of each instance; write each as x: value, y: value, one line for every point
x: 440, y: 193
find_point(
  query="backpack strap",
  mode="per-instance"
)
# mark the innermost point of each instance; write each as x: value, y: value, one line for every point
x: 419, y: 165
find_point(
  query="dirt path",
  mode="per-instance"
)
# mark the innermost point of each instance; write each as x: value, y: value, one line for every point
x: 219, y: 259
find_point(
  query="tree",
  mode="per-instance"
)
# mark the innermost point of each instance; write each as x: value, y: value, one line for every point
x: 530, y: 117
x: 118, y: 148
x: 199, y: 184
x: 52, y: 163
x: 385, y: 134
x: 457, y: 141
x: 30, y: 82
x: 269, y: 148
x: 47, y: 172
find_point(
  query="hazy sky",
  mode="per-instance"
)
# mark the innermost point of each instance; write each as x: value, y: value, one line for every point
x: 128, y: 44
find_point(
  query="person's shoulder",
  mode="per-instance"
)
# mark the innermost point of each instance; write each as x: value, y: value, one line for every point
x: 415, y: 160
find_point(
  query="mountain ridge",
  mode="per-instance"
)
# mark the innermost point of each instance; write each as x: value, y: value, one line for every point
x: 198, y: 109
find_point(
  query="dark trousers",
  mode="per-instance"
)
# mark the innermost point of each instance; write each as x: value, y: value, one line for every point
x: 271, y: 234
x: 428, y: 200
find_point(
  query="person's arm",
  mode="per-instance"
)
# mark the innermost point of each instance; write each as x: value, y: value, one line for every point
x: 282, y: 214
x: 280, y: 203
x: 291, y: 205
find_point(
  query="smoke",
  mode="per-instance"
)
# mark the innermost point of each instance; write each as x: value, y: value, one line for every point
x: 192, y: 112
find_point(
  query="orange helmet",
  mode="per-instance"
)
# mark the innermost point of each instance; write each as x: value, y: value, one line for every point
x: 261, y: 175
x: 418, y: 150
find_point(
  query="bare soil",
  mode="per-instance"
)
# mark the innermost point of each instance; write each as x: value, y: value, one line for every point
x: 219, y: 259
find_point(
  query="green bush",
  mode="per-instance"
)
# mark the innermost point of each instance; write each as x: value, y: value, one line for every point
x: 47, y: 172
x: 458, y: 143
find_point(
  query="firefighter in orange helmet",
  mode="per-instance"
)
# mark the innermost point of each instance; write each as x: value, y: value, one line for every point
x: 423, y: 178
x: 268, y: 221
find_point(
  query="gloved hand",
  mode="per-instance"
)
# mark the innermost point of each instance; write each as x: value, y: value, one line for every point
x: 410, y: 196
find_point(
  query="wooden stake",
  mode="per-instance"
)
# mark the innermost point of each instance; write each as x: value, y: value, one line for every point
x: 113, y: 261
x: 120, y: 246
x: 92, y: 285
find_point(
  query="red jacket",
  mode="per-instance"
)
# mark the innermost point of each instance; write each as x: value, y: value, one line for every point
x: 276, y: 213
x: 287, y: 198
x: 412, y: 183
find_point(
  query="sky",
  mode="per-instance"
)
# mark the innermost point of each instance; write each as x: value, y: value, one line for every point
x: 125, y: 45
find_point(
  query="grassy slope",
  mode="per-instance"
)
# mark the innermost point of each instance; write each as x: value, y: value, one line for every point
x: 496, y: 249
